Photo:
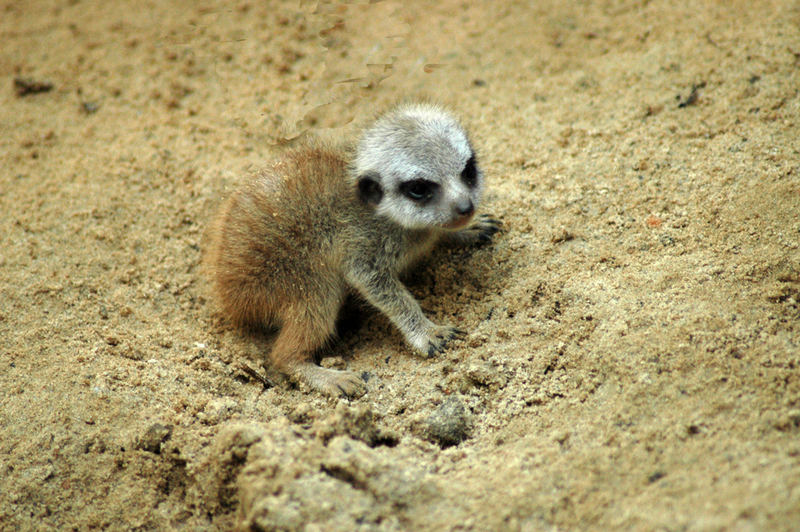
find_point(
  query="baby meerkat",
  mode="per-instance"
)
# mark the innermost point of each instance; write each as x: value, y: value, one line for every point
x: 290, y: 244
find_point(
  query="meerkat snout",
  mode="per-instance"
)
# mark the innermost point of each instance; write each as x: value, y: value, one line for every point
x: 465, y: 208
x: 324, y: 221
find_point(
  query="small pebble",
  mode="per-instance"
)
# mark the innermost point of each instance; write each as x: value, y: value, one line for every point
x: 90, y: 107
x: 152, y: 439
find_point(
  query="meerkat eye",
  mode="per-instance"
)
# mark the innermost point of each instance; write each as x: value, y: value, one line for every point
x: 369, y: 188
x: 469, y: 175
x: 418, y: 190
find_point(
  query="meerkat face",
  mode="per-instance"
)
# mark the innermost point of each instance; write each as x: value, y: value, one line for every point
x: 416, y: 166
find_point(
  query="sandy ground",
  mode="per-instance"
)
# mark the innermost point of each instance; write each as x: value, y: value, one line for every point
x: 633, y: 353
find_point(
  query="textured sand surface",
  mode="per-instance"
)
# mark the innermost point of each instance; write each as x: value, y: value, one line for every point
x: 633, y: 358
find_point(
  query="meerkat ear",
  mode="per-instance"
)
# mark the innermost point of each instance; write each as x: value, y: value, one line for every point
x: 369, y: 188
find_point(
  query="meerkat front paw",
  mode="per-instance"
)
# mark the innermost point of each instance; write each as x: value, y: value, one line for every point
x: 436, y: 339
x: 332, y: 382
x: 480, y: 231
x: 484, y: 228
x: 441, y: 336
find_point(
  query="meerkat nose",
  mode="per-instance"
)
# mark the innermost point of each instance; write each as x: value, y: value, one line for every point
x: 465, y: 208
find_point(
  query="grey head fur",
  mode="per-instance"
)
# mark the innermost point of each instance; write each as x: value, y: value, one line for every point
x: 416, y: 166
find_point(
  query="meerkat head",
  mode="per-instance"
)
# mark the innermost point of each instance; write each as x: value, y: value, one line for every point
x: 416, y: 166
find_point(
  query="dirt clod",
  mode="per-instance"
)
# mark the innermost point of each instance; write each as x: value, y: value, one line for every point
x: 358, y: 422
x: 449, y: 424
x: 155, y: 435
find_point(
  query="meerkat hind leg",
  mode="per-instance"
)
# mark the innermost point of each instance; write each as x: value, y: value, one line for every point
x: 332, y: 382
x: 302, y: 335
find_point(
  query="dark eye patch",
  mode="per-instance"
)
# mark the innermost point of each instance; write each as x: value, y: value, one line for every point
x: 419, y: 190
x: 369, y: 188
x: 469, y: 175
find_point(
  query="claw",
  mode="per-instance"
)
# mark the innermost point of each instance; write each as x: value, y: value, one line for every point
x: 485, y: 228
x: 441, y: 338
x: 330, y: 381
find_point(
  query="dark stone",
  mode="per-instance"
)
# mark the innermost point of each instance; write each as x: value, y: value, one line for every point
x: 152, y: 439
x: 448, y: 425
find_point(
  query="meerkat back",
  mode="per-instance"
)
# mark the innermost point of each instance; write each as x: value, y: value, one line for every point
x: 270, y: 230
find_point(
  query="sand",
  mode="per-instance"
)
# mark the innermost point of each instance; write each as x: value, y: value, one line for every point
x: 632, y: 357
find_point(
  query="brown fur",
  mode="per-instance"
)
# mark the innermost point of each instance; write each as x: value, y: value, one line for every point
x: 262, y: 240
x: 266, y: 239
